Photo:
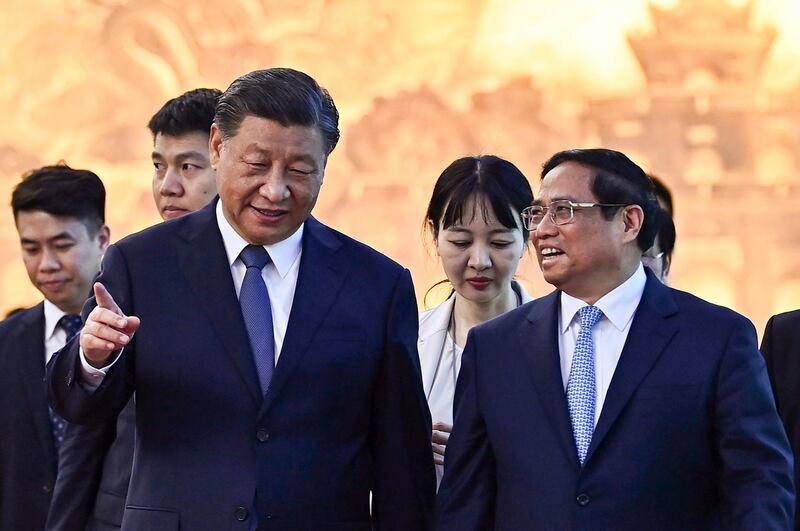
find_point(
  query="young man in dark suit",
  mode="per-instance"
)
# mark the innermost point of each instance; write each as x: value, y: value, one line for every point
x: 781, y: 349
x: 92, y: 483
x: 273, y: 359
x: 60, y: 217
x: 616, y: 402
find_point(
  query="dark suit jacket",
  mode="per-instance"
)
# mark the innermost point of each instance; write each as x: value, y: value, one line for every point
x: 781, y: 349
x: 688, y: 437
x: 94, y: 472
x: 344, y: 414
x: 28, y: 461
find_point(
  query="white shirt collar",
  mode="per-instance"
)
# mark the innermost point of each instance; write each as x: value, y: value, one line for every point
x: 52, y: 315
x: 618, y: 305
x: 283, y: 254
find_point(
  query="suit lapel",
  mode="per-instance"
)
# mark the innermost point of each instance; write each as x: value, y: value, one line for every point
x: 30, y: 342
x: 650, y: 333
x: 539, y: 342
x: 319, y: 279
x: 204, y: 264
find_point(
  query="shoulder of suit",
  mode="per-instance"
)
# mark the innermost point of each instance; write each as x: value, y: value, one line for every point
x: 785, y: 321
x: 154, y: 233
x: 350, y: 245
x: 708, y: 315
x: 11, y: 323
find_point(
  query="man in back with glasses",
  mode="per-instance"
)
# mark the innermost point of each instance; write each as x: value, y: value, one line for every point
x: 615, y: 402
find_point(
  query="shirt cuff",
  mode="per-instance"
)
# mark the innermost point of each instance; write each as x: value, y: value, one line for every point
x: 92, y: 376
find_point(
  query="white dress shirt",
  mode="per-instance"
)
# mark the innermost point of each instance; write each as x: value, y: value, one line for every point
x: 54, y: 336
x: 609, y: 334
x: 280, y: 275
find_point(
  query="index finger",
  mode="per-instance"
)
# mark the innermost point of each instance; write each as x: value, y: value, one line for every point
x: 104, y: 298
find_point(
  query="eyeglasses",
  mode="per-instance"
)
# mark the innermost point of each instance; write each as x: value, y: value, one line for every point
x: 562, y: 211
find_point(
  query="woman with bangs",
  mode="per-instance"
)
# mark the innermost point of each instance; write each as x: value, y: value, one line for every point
x: 474, y: 218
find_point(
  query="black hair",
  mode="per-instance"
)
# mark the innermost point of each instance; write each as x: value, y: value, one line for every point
x: 284, y: 95
x: 666, y: 237
x: 663, y: 193
x: 497, y: 180
x: 191, y: 112
x: 618, y: 180
x: 62, y: 191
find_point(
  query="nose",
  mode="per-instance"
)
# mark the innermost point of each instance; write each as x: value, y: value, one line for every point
x: 49, y: 261
x: 274, y: 187
x: 171, y: 185
x: 479, y: 257
x: 546, y: 227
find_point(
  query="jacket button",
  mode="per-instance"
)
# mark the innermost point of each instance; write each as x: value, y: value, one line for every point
x: 582, y: 499
x: 262, y: 435
x: 47, y: 488
x: 241, y: 513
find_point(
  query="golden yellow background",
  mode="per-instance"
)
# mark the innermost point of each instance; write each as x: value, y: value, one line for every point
x: 703, y: 93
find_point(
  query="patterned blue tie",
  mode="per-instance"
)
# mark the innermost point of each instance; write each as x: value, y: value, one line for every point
x: 71, y: 324
x: 257, y: 313
x: 581, y: 390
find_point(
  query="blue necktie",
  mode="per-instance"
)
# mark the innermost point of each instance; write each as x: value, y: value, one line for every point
x: 581, y: 391
x: 257, y: 313
x: 71, y: 324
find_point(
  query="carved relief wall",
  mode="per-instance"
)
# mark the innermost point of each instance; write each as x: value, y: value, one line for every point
x: 422, y: 82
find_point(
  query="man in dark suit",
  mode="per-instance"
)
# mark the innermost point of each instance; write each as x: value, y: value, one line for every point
x: 285, y: 408
x: 95, y: 461
x: 781, y: 350
x: 59, y: 215
x: 615, y: 402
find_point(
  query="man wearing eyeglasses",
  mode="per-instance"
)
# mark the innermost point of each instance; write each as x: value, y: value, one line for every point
x: 615, y: 402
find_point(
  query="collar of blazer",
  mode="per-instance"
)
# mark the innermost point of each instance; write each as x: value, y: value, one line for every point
x: 433, y: 326
x: 652, y: 328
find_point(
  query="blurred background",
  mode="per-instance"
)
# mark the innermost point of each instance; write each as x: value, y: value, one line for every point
x: 702, y: 93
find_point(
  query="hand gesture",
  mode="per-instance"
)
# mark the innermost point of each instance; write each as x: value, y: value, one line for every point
x: 107, y: 329
x: 439, y: 438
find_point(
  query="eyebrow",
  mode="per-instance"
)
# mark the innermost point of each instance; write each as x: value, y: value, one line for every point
x: 539, y: 202
x: 303, y: 157
x: 457, y: 228
x: 59, y: 236
x: 183, y: 155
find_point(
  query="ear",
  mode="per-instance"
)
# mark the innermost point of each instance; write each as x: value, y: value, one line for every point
x: 632, y: 220
x: 214, y: 146
x: 104, y: 237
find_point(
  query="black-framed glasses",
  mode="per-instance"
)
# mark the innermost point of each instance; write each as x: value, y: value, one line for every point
x: 562, y: 211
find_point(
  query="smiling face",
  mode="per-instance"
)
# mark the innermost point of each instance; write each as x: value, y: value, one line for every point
x: 268, y: 177
x: 183, y: 180
x: 592, y: 255
x: 60, y: 256
x: 480, y: 256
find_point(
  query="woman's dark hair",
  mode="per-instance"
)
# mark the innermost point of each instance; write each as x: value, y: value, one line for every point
x: 617, y: 180
x: 496, y: 180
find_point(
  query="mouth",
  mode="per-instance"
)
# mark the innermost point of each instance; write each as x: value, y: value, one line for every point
x: 172, y: 212
x: 269, y: 216
x: 549, y: 254
x: 52, y: 285
x: 479, y: 283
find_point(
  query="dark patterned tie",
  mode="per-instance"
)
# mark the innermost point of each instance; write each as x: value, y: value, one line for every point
x: 71, y: 324
x: 257, y: 313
